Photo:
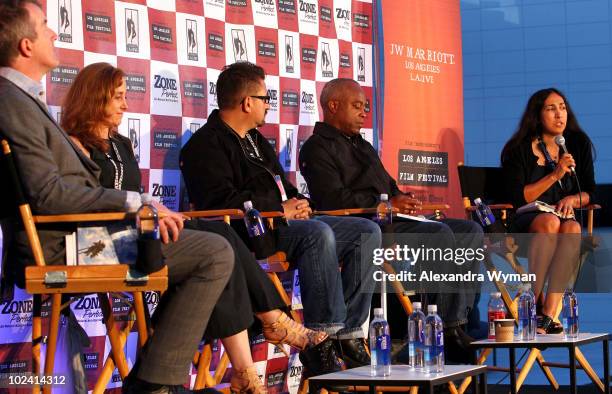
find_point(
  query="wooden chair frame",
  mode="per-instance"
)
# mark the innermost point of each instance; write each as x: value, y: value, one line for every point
x: 508, y: 250
x: 52, y: 282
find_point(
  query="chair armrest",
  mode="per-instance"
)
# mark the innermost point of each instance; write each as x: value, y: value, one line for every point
x: 590, y: 207
x: 495, y: 207
x: 362, y: 211
x: 84, y: 217
x: 272, y: 214
x: 232, y: 213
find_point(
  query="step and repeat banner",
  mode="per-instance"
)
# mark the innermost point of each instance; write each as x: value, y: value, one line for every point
x: 422, y: 129
x: 172, y: 52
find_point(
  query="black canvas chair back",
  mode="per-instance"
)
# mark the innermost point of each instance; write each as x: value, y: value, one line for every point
x: 484, y: 182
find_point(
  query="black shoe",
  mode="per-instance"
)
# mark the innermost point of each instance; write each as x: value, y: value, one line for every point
x: 457, y: 346
x: 320, y: 359
x: 353, y: 352
x: 546, y: 325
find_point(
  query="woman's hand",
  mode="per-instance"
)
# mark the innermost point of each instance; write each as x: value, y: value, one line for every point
x: 563, y: 166
x: 171, y: 225
x: 565, y: 207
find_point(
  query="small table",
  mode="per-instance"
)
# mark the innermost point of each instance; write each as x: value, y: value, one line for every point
x: 402, y: 376
x: 557, y: 340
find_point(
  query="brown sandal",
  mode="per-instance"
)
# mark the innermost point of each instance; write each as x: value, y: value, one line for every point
x: 286, y: 330
x: 247, y: 381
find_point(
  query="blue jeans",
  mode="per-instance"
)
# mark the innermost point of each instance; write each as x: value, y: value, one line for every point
x: 335, y: 302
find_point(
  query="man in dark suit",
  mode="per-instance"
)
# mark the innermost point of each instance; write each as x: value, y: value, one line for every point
x: 344, y: 171
x: 58, y: 178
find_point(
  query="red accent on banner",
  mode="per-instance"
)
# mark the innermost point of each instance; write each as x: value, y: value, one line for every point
x: 266, y: 47
x: 99, y: 33
x: 144, y: 180
x: 194, y: 7
x: 194, y: 90
x: 276, y: 371
x: 289, y: 101
x: 162, y: 31
x: 308, y: 56
x: 327, y: 28
x: 259, y: 349
x: 361, y: 18
x: 94, y: 359
x: 16, y: 359
x: 143, y: 2
x: 270, y: 131
x: 423, y: 114
x: 238, y: 12
x: 345, y: 69
x: 60, y: 78
x: 287, y: 14
x: 138, y: 76
x: 215, y: 43
x: 165, y: 141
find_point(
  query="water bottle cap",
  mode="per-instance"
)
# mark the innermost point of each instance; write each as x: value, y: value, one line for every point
x: 432, y: 308
x: 378, y: 312
x: 477, y: 201
x: 496, y: 294
x: 384, y: 197
x: 146, y: 198
x: 248, y: 205
x: 416, y: 305
x: 527, y: 286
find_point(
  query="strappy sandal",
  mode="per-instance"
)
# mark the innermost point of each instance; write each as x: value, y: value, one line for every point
x: 287, y: 330
x: 546, y: 325
x: 247, y: 381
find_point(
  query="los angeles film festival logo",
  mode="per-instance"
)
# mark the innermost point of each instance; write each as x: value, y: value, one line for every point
x: 64, y: 21
x: 192, y: 43
x: 131, y: 31
x: 326, y: 62
x: 239, y: 45
x: 134, y: 133
x: 289, y: 65
x: 361, y: 64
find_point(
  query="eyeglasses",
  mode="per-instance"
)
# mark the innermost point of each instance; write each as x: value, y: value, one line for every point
x: 265, y: 99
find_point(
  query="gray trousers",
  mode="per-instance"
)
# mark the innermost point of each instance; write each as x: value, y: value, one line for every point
x: 199, y: 266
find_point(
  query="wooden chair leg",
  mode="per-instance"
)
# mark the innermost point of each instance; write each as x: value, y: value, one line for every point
x: 109, y: 365
x: 113, y: 335
x: 56, y: 303
x: 221, y: 368
x: 141, y: 321
x: 589, y: 370
x: 203, y: 377
x: 481, y: 360
x: 36, y: 337
x: 284, y: 296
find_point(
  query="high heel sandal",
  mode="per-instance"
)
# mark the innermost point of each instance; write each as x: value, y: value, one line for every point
x: 247, y: 381
x: 547, y: 325
x: 286, y: 330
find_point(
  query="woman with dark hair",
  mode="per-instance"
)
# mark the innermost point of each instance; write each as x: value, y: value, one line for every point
x: 92, y: 111
x: 536, y: 168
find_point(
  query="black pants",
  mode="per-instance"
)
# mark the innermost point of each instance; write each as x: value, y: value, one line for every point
x: 248, y: 291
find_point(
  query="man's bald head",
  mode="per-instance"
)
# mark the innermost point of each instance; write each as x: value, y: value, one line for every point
x: 343, y: 103
x: 337, y: 89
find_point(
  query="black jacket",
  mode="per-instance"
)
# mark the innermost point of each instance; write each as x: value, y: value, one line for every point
x: 520, y: 163
x: 219, y: 174
x: 343, y: 172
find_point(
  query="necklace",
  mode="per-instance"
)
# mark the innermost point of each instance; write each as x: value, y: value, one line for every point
x: 250, y: 139
x: 118, y: 168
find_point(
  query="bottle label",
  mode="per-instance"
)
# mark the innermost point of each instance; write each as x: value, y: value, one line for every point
x: 493, y: 315
x: 383, y: 350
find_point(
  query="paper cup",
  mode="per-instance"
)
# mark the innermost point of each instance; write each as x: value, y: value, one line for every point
x: 504, y: 330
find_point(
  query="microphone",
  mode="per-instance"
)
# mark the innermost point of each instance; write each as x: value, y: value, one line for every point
x: 560, y: 140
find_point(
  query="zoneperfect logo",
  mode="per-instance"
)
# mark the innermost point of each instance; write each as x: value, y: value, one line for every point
x: 273, y: 93
x: 343, y: 14
x: 90, y: 307
x: 266, y: 5
x: 168, y: 86
x: 18, y: 312
x: 309, y: 10
x: 167, y: 194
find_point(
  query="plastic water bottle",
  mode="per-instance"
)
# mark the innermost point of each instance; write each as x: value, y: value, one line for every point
x: 484, y: 213
x: 496, y: 310
x: 527, y: 321
x: 147, y: 219
x: 384, y: 210
x: 570, y: 314
x: 380, y: 345
x: 434, y: 341
x: 253, y: 221
x: 416, y: 336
